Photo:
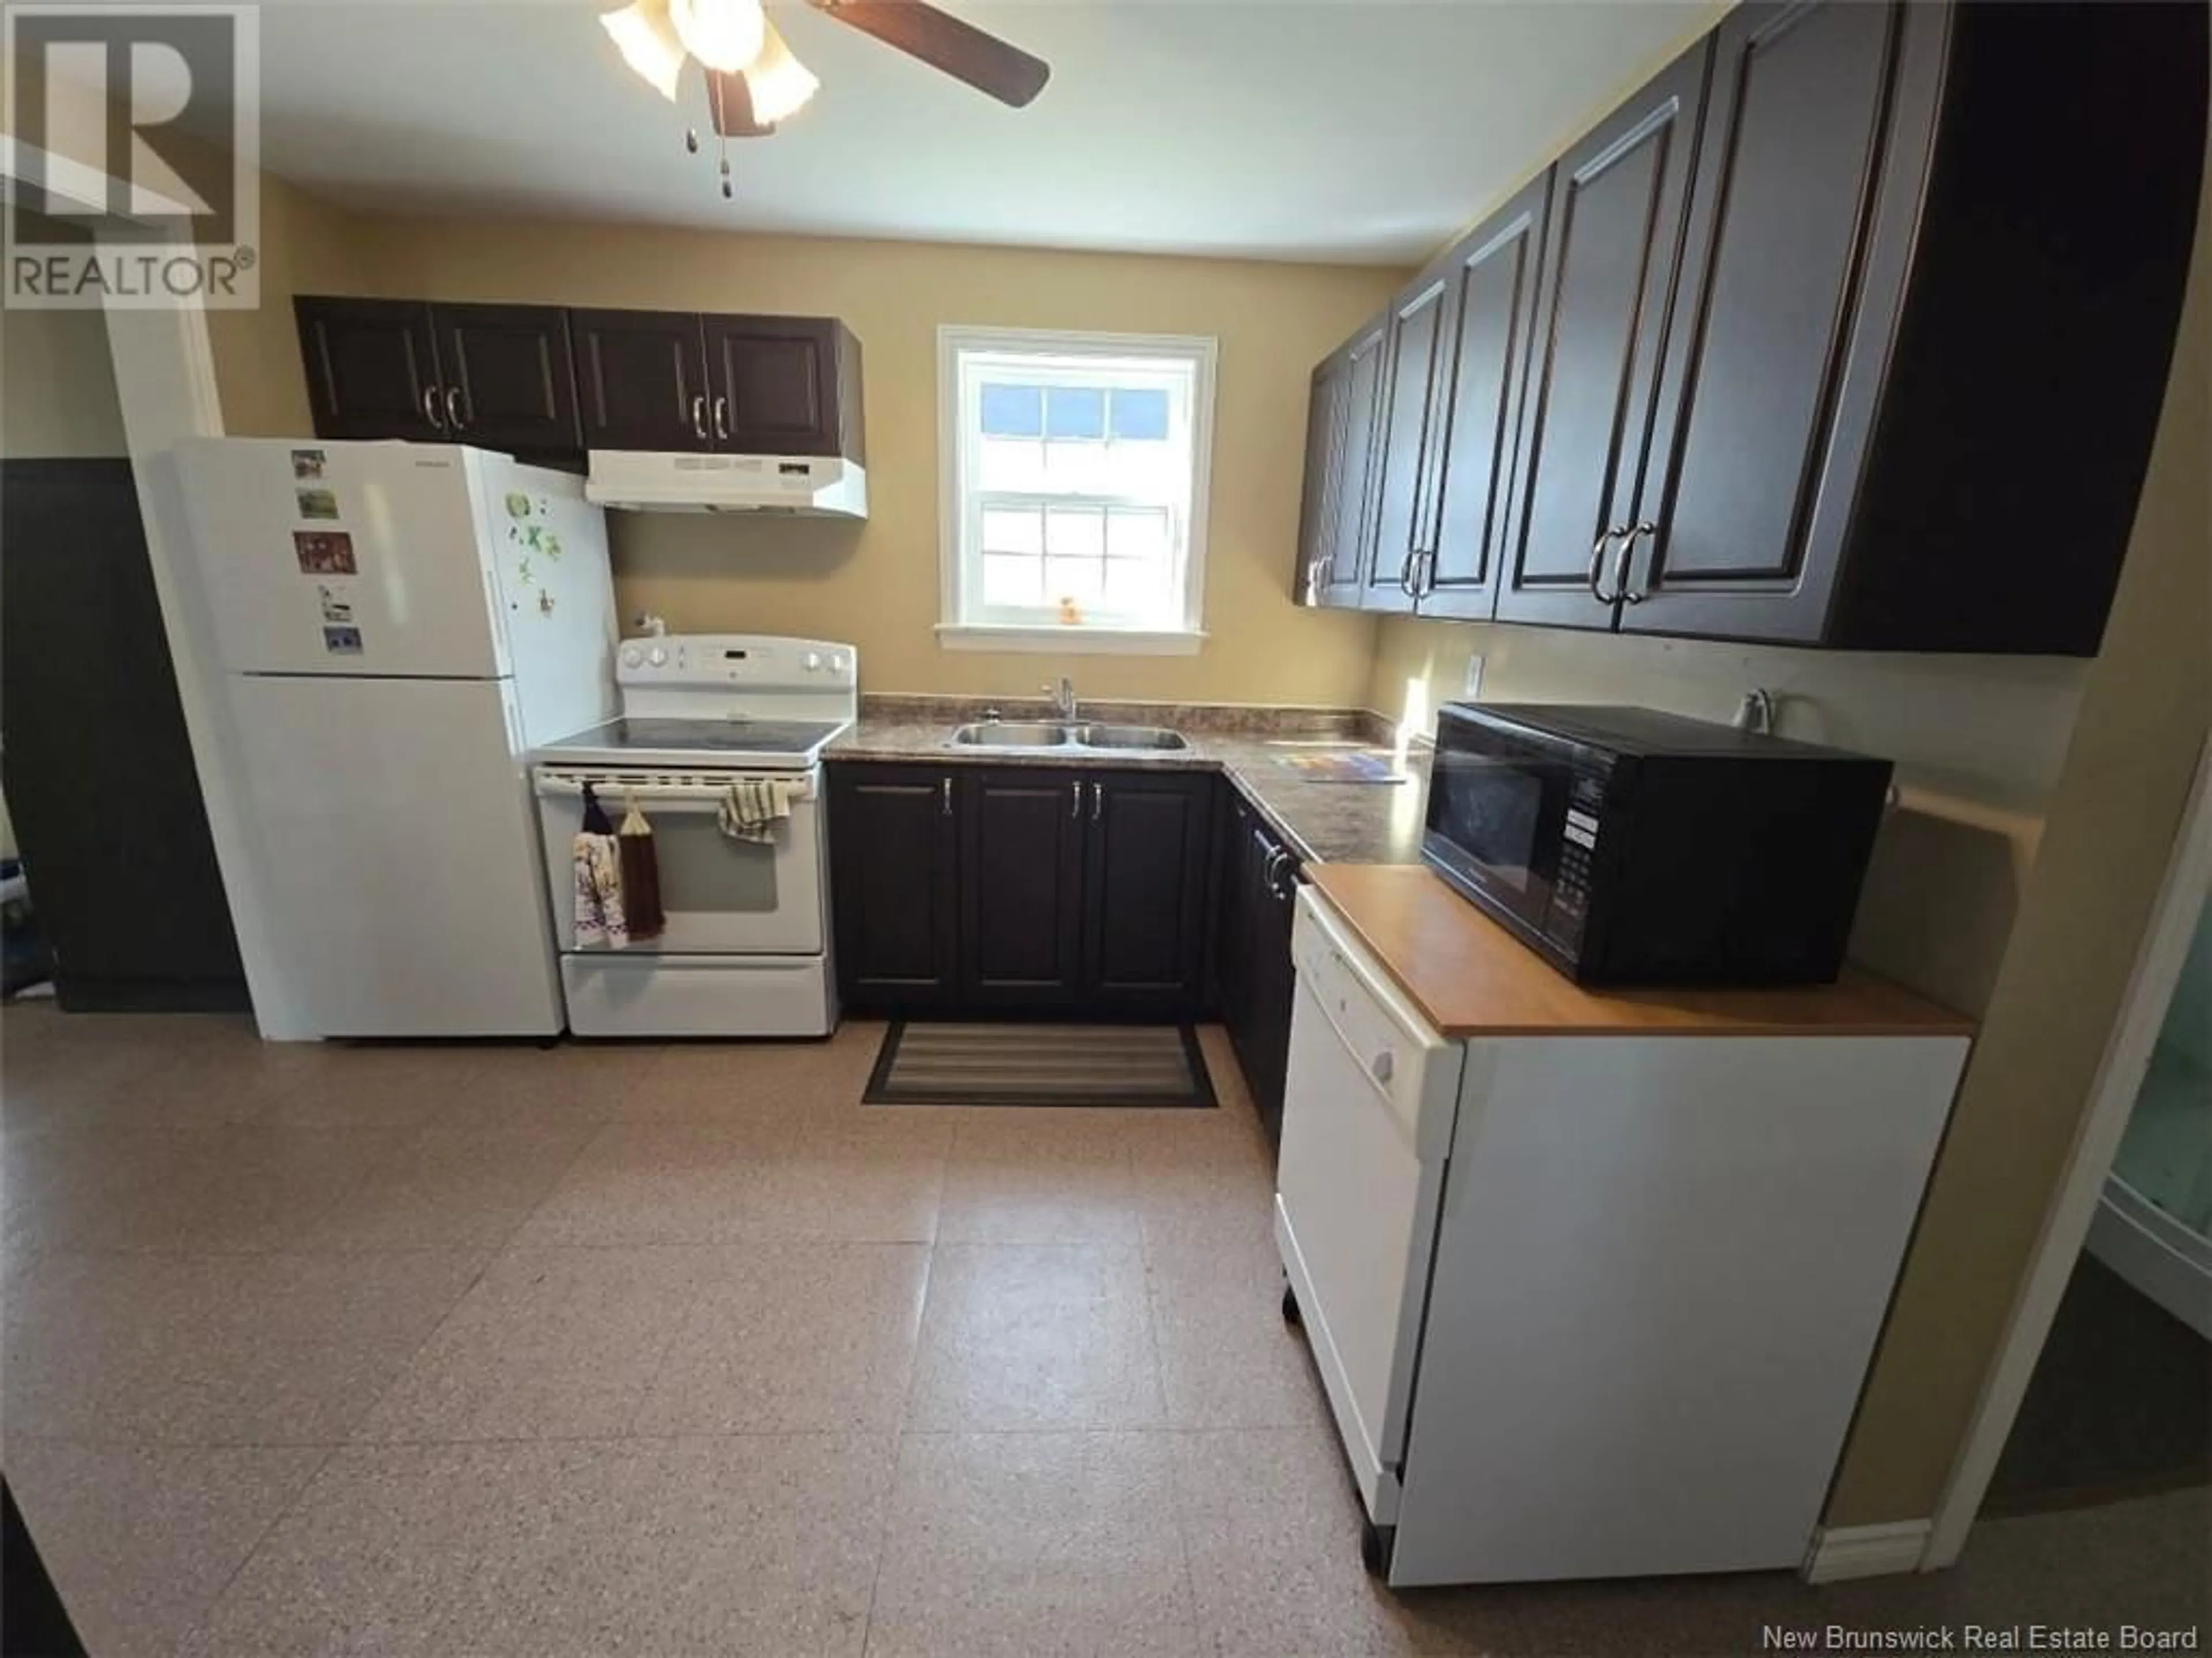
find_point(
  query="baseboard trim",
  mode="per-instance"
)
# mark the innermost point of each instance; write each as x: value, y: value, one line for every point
x: 1845, y: 1552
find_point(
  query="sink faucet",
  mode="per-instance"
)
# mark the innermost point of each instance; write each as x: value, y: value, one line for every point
x: 1063, y: 698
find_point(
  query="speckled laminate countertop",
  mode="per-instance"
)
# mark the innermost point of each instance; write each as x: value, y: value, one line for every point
x: 1320, y: 821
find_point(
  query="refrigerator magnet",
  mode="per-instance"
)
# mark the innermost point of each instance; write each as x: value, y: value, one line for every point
x: 342, y: 642
x: 324, y: 552
x: 307, y: 465
x: 317, y: 503
x: 335, y: 608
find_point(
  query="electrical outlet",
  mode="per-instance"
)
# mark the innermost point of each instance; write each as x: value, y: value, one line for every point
x: 1472, y: 688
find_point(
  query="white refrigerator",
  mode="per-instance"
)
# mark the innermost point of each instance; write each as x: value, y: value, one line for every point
x: 398, y: 624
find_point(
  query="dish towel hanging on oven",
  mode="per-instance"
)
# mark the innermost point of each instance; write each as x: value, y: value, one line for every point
x: 751, y: 806
x: 640, y: 875
x: 597, y: 855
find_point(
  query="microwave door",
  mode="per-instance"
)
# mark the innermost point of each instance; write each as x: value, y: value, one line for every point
x: 1500, y: 818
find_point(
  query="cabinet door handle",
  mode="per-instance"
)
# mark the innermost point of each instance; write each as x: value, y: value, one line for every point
x: 1405, y: 574
x: 1597, y: 565
x: 946, y: 797
x: 1628, y: 552
x: 1098, y: 800
x: 453, y: 407
x: 699, y: 418
x: 721, y: 417
x: 1075, y: 789
x: 430, y: 409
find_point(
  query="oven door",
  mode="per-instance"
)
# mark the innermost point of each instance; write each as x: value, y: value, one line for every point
x: 722, y: 896
x: 1498, y: 820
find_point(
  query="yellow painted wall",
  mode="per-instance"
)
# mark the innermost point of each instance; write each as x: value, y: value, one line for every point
x: 56, y: 383
x: 307, y: 247
x: 876, y: 584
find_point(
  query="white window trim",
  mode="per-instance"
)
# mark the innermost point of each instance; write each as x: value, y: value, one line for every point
x: 1085, y: 638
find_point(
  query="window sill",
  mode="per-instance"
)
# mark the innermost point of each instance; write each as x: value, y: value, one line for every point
x: 1071, y: 641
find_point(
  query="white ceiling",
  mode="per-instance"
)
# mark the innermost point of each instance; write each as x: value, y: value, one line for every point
x: 1354, y: 130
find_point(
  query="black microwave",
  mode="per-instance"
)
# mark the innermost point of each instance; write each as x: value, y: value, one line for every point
x: 1629, y: 847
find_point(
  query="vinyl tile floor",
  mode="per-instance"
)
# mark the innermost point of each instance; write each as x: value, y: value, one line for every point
x: 459, y: 1350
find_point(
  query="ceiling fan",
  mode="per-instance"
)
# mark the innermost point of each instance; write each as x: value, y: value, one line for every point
x: 753, y: 80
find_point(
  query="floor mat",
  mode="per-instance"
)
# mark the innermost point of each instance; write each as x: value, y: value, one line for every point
x: 1040, y: 1065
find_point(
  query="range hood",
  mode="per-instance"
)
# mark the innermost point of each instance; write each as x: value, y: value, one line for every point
x: 804, y: 486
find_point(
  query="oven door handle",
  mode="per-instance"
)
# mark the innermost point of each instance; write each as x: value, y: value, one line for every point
x: 618, y: 789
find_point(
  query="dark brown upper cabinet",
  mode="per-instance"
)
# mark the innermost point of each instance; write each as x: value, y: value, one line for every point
x: 1924, y: 333
x: 509, y: 382
x: 784, y: 385
x: 1348, y: 553
x: 1326, y: 397
x: 372, y: 367
x: 1843, y: 338
x: 1483, y: 373
x: 643, y: 379
x: 1619, y: 197
x: 496, y: 375
x: 1416, y: 364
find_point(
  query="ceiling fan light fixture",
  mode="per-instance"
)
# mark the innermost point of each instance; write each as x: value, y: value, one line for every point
x: 723, y: 34
x: 641, y: 32
x: 780, y: 84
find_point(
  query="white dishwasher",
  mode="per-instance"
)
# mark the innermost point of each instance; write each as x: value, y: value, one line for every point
x: 1367, y: 1125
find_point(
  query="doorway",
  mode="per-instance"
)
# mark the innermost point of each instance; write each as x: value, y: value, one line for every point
x: 2120, y: 1401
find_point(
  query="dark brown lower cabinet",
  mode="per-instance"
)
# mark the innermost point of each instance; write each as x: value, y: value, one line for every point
x: 1021, y: 915
x: 894, y: 892
x: 1257, y: 884
x: 1020, y: 888
x: 1145, y: 891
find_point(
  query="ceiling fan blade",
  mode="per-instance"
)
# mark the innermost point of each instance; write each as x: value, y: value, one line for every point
x: 730, y: 103
x: 943, y: 42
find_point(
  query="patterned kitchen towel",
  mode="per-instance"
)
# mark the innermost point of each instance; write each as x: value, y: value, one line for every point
x: 751, y: 807
x: 596, y: 856
x: 599, y: 918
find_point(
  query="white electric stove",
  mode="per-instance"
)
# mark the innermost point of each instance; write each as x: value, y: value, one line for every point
x: 745, y: 951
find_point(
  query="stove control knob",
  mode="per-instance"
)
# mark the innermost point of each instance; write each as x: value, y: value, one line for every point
x: 658, y: 656
x: 813, y: 664
x: 632, y: 656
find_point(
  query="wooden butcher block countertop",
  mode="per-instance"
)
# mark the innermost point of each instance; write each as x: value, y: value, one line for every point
x: 1470, y: 977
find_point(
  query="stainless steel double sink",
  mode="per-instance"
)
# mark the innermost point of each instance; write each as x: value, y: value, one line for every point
x: 1057, y: 734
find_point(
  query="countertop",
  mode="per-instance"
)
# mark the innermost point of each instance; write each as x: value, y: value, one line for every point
x: 1321, y: 821
x: 1470, y: 977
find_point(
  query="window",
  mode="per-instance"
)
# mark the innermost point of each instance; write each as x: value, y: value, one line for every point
x: 1075, y: 470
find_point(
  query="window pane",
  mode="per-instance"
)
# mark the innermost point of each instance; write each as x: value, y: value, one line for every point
x: 1137, y: 587
x: 1012, y: 530
x: 1082, y: 468
x: 1140, y: 414
x: 1079, y: 532
x: 1012, y: 466
x: 1011, y: 580
x: 1074, y: 412
x: 1013, y: 412
x: 1078, y: 578
x: 1137, y: 532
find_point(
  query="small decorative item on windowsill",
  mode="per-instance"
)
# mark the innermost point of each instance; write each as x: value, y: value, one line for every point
x: 1071, y: 615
